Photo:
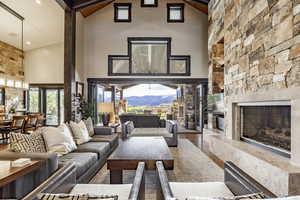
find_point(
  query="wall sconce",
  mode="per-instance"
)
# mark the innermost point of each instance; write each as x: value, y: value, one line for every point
x: 18, y: 84
x: 10, y: 83
x: 2, y: 81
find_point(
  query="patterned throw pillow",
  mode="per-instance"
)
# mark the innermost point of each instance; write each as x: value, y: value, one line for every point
x: 75, y: 197
x: 90, y: 126
x: 22, y: 143
x: 242, y: 197
x: 251, y: 196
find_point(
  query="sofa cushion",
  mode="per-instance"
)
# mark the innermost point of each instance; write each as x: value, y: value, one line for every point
x: 122, y: 190
x: 101, y: 148
x: 112, y: 139
x: 83, y: 161
x: 151, y: 132
x: 205, y: 189
x: 59, y: 139
x: 22, y: 143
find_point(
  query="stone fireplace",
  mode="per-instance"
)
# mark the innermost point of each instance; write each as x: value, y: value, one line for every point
x: 267, y: 125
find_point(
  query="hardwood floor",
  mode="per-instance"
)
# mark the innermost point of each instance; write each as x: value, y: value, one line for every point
x: 3, y: 147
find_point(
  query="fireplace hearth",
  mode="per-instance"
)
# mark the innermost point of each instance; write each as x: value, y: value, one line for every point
x: 267, y: 125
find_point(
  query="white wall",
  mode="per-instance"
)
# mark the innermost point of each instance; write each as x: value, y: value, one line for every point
x: 103, y: 37
x: 45, y: 65
x: 79, y: 69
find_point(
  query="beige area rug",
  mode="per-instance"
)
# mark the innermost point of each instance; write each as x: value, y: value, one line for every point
x: 191, y: 165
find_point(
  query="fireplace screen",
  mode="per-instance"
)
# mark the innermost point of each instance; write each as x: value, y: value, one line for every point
x: 267, y: 125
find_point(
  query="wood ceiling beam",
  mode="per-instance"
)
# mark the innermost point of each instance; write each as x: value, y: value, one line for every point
x: 81, y: 4
x: 201, y: 1
x: 65, y: 4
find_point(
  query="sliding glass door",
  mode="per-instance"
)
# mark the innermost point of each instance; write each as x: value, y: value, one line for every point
x: 49, y: 101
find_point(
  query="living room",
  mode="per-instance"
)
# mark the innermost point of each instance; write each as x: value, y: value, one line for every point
x: 229, y: 132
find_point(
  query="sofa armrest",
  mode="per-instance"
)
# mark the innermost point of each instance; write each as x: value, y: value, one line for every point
x: 98, y: 130
x: 164, y: 191
x: 51, y: 159
x: 62, y: 181
x: 241, y: 183
x: 137, y: 191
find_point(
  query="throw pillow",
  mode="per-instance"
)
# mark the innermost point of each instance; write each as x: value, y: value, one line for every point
x: 80, y: 132
x: 22, y: 143
x: 251, y: 196
x: 59, y: 140
x: 90, y: 126
x: 130, y: 127
x: 45, y: 196
x: 242, y: 197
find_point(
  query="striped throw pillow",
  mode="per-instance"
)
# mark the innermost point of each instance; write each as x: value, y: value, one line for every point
x: 45, y: 196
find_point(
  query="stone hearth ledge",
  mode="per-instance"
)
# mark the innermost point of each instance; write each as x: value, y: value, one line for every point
x: 273, y: 171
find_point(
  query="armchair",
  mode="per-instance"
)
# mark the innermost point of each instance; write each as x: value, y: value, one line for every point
x: 64, y: 181
x: 236, y: 183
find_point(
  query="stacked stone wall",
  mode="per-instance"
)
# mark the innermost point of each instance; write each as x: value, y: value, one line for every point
x: 261, y: 44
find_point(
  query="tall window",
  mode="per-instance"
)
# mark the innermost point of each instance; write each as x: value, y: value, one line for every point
x: 122, y: 12
x: 34, y: 100
x: 149, y: 56
x: 175, y: 12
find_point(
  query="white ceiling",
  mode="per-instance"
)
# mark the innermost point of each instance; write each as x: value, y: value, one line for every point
x: 43, y: 24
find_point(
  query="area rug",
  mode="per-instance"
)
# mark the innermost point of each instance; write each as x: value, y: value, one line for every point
x: 191, y: 165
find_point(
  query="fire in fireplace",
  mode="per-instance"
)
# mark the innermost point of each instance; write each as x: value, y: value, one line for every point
x: 267, y: 125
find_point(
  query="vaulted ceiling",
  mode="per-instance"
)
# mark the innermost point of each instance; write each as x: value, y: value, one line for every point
x: 88, y: 7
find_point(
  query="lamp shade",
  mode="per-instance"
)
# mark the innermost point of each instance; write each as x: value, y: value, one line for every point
x: 18, y: 84
x: 106, y: 107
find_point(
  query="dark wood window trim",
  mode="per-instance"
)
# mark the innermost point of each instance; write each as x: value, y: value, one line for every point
x: 181, y: 6
x: 116, y: 7
x: 110, y: 64
x: 149, y: 5
x: 42, y: 87
x: 187, y: 59
x: 129, y: 56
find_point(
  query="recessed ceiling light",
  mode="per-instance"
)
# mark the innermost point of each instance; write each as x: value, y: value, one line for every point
x: 38, y: 2
x: 28, y: 42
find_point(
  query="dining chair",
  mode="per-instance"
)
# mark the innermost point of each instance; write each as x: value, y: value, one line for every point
x: 31, y: 123
x: 18, y: 123
x: 41, y: 120
x: 4, y: 128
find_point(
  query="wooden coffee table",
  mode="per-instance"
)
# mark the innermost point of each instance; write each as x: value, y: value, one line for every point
x: 138, y: 149
x: 9, y: 174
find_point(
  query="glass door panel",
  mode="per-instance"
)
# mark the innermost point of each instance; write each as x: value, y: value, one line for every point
x: 34, y: 100
x: 61, y: 106
x: 52, y: 107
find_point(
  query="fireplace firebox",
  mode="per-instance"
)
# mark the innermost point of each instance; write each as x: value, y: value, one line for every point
x: 267, y: 125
